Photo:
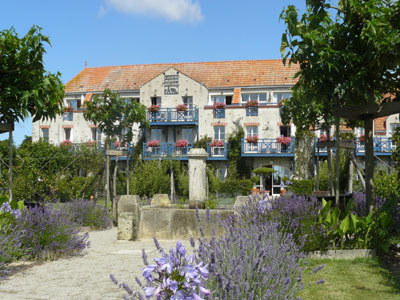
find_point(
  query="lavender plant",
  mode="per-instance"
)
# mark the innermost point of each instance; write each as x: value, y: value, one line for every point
x: 49, y: 233
x: 253, y: 259
x: 295, y: 215
x: 173, y: 276
x: 87, y: 213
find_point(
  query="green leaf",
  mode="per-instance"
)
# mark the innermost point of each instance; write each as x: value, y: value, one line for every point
x: 344, y: 225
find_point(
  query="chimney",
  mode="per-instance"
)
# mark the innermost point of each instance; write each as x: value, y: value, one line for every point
x: 85, y: 63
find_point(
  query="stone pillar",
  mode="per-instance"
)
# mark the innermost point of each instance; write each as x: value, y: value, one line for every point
x: 197, y: 177
x: 128, y: 217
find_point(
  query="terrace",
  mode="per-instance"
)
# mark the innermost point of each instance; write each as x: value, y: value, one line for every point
x: 171, y: 151
x: 267, y: 147
x: 172, y: 116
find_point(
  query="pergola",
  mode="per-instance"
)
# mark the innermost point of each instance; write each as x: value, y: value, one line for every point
x: 366, y: 113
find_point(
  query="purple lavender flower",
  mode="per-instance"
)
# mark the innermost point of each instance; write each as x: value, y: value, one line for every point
x: 5, y: 207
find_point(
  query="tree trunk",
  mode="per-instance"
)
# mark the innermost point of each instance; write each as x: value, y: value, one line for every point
x: 304, y: 156
x: 360, y: 174
x: 115, y: 204
x: 10, y: 165
x: 369, y: 164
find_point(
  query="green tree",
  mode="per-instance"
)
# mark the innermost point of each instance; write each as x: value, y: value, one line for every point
x: 347, y: 55
x: 115, y: 116
x: 26, y: 88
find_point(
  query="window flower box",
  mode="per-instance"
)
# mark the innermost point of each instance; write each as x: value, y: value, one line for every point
x: 219, y: 105
x: 119, y: 144
x: 217, y: 143
x: 181, y: 107
x: 66, y: 143
x: 252, y: 103
x: 92, y: 143
x: 323, y: 138
x: 182, y: 143
x: 153, y: 143
x: 252, y: 139
x: 285, y: 140
x: 68, y: 108
x: 153, y: 108
x: 361, y: 138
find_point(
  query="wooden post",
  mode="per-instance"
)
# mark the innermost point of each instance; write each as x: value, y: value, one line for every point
x: 10, y: 165
x: 369, y: 164
x: 351, y: 171
x: 317, y: 185
x: 172, y: 185
x: 329, y: 150
x: 337, y: 160
x: 359, y: 173
x: 107, y: 185
x: 114, y: 199
x: 127, y: 175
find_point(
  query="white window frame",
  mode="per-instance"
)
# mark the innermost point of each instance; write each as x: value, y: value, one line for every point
x: 219, y: 133
x: 277, y: 99
x: 255, y: 98
x: 253, y: 130
x: 70, y: 134
x: 48, y: 134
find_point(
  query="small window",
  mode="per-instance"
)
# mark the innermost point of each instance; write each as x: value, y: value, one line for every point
x: 187, y: 134
x: 228, y: 100
x: 260, y: 97
x: 252, y: 131
x: 156, y: 134
x: 393, y: 127
x: 156, y: 101
x: 94, y: 134
x: 219, y: 133
x: 279, y: 96
x: 45, y: 134
x: 218, y: 99
x: 188, y: 101
x: 284, y: 131
x: 67, y: 133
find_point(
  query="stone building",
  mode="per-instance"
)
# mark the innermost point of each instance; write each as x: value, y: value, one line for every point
x: 218, y: 97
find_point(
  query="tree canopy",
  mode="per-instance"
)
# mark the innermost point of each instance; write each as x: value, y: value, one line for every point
x: 26, y: 88
x: 113, y: 114
x: 349, y: 54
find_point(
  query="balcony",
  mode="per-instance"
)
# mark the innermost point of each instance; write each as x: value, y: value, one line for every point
x: 217, y: 153
x: 383, y: 146
x: 267, y: 147
x: 166, y: 151
x: 170, y: 116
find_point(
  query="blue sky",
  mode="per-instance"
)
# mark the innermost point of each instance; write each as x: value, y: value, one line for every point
x: 123, y: 32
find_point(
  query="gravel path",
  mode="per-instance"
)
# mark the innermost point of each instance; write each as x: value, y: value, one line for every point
x: 85, y: 276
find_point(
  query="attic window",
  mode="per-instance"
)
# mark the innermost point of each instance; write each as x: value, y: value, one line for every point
x: 228, y: 100
x: 81, y: 86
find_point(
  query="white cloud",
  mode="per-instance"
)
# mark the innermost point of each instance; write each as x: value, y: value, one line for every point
x: 102, y: 11
x: 173, y: 10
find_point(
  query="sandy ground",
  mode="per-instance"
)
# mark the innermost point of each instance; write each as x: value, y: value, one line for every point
x: 85, y: 276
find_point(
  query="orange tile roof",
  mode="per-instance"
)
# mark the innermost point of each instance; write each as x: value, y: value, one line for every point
x: 212, y: 74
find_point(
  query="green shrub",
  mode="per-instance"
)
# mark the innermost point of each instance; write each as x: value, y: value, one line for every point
x: 183, y: 185
x: 150, y: 178
x: 235, y: 187
x: 386, y: 185
x: 202, y: 143
x: 302, y: 187
x: 211, y: 202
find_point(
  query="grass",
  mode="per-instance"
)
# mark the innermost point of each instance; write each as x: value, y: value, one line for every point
x: 349, y: 279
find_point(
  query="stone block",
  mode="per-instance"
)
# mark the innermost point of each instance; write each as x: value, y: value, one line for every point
x: 241, y: 201
x: 160, y: 200
x: 128, y: 217
x: 175, y: 223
